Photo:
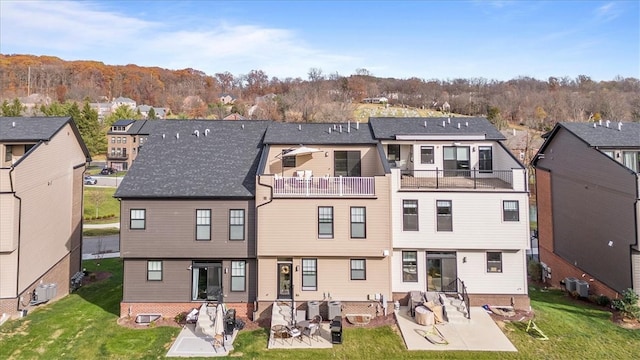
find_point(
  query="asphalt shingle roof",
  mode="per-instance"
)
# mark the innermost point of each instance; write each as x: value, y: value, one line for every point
x: 30, y: 128
x: 221, y: 164
x: 387, y: 128
x: 318, y: 133
x: 628, y: 136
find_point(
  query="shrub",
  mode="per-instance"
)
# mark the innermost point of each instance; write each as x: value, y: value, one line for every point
x: 603, y: 300
x: 627, y: 304
x: 180, y: 318
x: 535, y: 270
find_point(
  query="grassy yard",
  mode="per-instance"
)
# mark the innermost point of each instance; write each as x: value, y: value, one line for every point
x: 107, y: 205
x: 83, y: 326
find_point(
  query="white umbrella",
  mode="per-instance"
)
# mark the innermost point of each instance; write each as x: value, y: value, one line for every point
x: 218, y: 324
x: 302, y: 150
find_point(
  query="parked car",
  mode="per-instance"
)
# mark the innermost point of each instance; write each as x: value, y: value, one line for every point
x: 108, y: 171
x: 88, y: 180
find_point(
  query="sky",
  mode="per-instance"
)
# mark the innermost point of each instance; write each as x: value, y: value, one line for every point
x: 444, y: 40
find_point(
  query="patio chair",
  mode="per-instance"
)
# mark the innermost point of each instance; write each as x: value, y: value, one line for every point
x: 295, y: 333
x: 312, y: 331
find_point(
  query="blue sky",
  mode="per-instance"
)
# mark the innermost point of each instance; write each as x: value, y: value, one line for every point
x: 442, y: 40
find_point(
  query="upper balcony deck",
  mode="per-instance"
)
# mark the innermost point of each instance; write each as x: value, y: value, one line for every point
x: 496, y: 180
x: 288, y: 187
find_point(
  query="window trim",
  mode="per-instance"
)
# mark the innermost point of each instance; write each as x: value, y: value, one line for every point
x: 308, y: 272
x: 516, y: 212
x: 243, y: 276
x: 321, y: 235
x: 352, y: 269
x: 498, y: 269
x: 288, y: 161
x: 405, y: 202
x: 231, y: 226
x: 198, y: 225
x: 395, y: 147
x: 438, y: 215
x: 422, y: 155
x: 363, y: 222
x: 406, y: 263
x: 143, y: 219
x: 154, y: 271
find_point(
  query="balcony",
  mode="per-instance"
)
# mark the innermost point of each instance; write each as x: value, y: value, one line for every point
x: 513, y: 179
x: 117, y: 156
x: 294, y: 187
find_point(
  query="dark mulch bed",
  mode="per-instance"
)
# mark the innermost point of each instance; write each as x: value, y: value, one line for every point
x: 95, y: 276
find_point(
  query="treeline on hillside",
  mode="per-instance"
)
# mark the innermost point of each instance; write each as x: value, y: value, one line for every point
x: 320, y: 97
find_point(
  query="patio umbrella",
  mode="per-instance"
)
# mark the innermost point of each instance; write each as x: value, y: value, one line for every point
x: 218, y: 323
x: 302, y: 150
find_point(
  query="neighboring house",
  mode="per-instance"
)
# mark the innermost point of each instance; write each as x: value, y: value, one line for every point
x: 187, y: 208
x: 124, y: 141
x: 459, y: 208
x: 226, y: 99
x: 234, y: 116
x: 323, y: 225
x: 375, y: 100
x: 523, y: 143
x: 588, y: 184
x: 42, y: 161
x: 103, y: 109
x: 123, y: 101
x: 161, y: 113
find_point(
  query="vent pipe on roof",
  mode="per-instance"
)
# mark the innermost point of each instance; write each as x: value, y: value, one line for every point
x: 358, y: 125
x: 600, y: 122
x: 242, y: 126
x: 177, y: 135
x: 620, y: 126
x: 594, y: 125
x: 425, y: 123
x: 206, y: 132
x: 458, y: 125
x: 196, y: 133
x: 448, y: 120
x: 299, y: 127
x: 13, y: 124
x: 330, y: 129
x: 163, y: 136
x: 514, y: 132
x: 349, y: 126
x: 466, y: 123
x: 340, y: 129
x: 443, y: 123
x: 335, y: 127
x: 607, y: 123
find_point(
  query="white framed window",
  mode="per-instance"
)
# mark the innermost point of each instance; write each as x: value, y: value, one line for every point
x: 238, y: 275
x: 203, y: 224
x: 310, y: 274
x: 445, y: 215
x: 154, y: 270
x: 137, y: 219
x: 325, y: 222
x: 358, y: 269
x: 410, y: 215
x: 494, y: 262
x: 236, y: 224
x: 409, y: 266
x: 358, y: 222
x: 426, y: 154
x: 510, y: 210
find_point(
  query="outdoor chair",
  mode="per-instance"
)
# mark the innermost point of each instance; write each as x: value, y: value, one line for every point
x: 312, y: 331
x: 295, y: 333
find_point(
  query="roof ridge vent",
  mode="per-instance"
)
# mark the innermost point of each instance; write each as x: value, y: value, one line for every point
x: 619, y: 125
x: 206, y: 132
x: 196, y: 133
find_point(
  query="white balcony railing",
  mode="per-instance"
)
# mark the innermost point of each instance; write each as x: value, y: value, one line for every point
x: 323, y: 186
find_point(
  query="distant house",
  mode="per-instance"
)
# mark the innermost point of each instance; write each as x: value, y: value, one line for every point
x: 226, y: 98
x: 42, y: 163
x: 161, y: 113
x: 123, y: 101
x: 522, y: 143
x: 103, y: 109
x: 588, y: 205
x: 234, y: 116
x: 375, y: 100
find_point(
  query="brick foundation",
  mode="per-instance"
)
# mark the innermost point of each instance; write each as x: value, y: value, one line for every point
x: 59, y: 274
x: 170, y: 310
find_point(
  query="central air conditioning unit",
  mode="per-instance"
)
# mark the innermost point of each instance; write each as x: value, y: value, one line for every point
x: 582, y: 287
x: 570, y: 284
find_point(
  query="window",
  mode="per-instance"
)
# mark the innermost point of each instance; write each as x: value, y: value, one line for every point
x: 113, y: 140
x: 8, y: 154
x: 485, y: 159
x: 393, y: 152
x: 347, y: 163
x: 510, y: 210
x: 236, y: 224
x: 325, y: 221
x: 309, y: 274
x: 137, y: 220
x: 288, y: 161
x: 426, y: 154
x: 409, y: 266
x: 410, y: 215
x: 154, y: 270
x: 203, y: 224
x: 358, y: 269
x: 238, y: 275
x: 206, y: 281
x: 358, y: 222
x: 118, y: 140
x: 443, y: 209
x: 113, y: 151
x: 494, y: 262
x: 631, y: 159
x: 124, y: 140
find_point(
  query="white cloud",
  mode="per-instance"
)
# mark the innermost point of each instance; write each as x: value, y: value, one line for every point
x: 608, y: 12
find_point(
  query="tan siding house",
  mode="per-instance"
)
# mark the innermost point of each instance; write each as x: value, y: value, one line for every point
x: 42, y: 161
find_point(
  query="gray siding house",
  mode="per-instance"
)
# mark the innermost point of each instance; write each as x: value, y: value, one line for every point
x: 588, y: 210
x: 188, y: 218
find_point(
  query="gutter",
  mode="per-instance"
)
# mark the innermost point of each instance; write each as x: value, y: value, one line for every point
x: 19, y: 235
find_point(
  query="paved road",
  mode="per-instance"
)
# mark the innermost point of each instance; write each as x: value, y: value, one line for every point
x: 92, y: 245
x: 106, y: 181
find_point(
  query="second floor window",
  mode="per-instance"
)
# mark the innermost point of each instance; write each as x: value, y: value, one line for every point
x: 124, y: 140
x: 113, y: 140
x: 137, y: 219
x: 203, y: 224
x: 358, y: 222
x: 309, y: 274
x: 485, y: 159
x: 236, y: 224
x: 510, y: 210
x: 445, y: 216
x: 288, y: 161
x: 118, y: 139
x: 426, y: 154
x: 347, y: 163
x: 410, y: 215
x: 631, y: 159
x: 393, y: 152
x: 325, y: 222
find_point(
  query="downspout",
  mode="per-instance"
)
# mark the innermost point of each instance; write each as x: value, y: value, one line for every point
x: 255, y: 306
x: 19, y: 235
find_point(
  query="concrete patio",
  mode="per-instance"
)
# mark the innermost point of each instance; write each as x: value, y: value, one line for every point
x: 480, y: 333
x: 281, y: 316
x: 190, y: 344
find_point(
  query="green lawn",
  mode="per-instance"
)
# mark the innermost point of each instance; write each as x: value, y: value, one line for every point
x: 83, y: 326
x: 102, y: 198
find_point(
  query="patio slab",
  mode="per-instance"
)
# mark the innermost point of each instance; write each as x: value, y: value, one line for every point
x: 480, y: 333
x: 281, y: 315
x: 190, y: 344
